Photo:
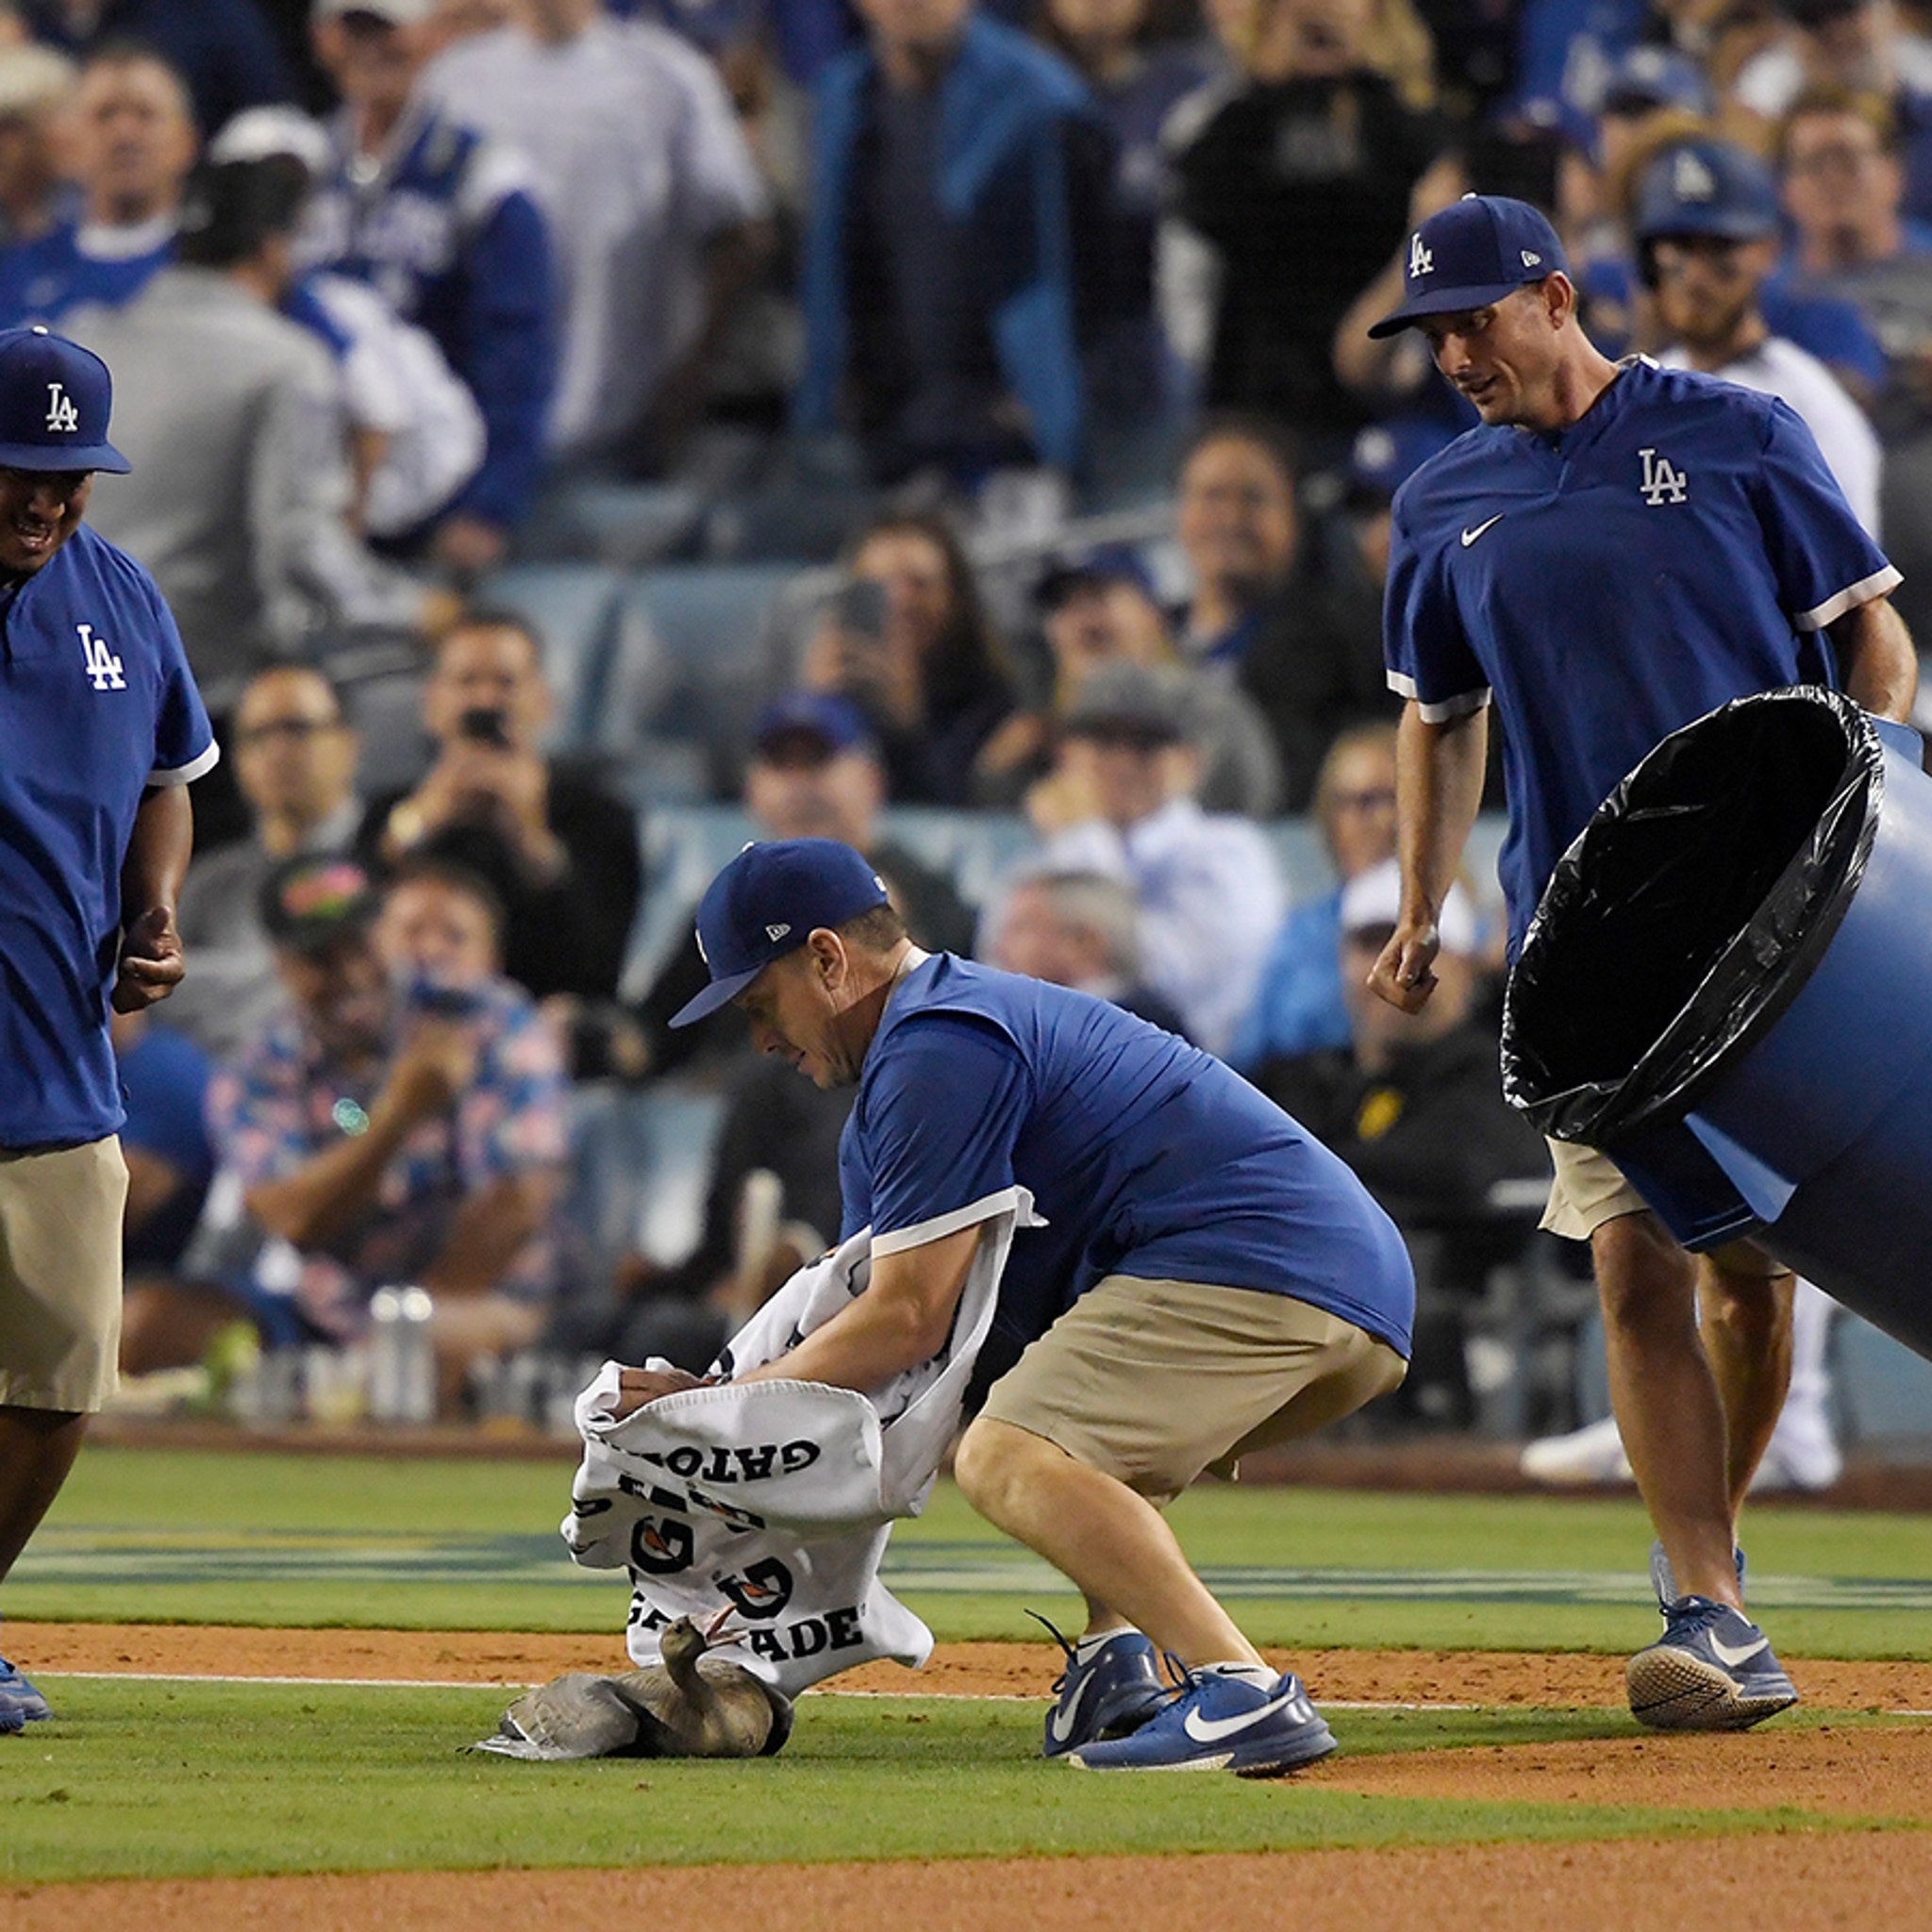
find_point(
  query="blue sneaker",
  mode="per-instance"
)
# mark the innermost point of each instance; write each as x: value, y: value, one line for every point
x: 20, y: 1703
x: 1712, y: 1670
x: 1117, y: 1690
x: 1664, y: 1579
x: 1215, y: 1722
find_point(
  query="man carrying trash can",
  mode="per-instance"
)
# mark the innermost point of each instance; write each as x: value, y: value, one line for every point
x: 1617, y: 550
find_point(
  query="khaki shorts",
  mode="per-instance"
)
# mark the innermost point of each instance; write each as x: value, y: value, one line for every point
x: 1589, y: 1189
x: 61, y: 1275
x: 1151, y: 1382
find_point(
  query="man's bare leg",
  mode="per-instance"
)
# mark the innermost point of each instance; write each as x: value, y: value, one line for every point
x: 1113, y: 1544
x: 1744, y: 1313
x: 37, y: 1449
x: 1666, y: 1400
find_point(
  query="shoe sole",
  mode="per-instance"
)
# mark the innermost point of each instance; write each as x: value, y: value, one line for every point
x: 1272, y: 1759
x: 1676, y: 1691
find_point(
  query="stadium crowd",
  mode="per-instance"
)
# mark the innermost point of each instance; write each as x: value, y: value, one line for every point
x: 551, y: 418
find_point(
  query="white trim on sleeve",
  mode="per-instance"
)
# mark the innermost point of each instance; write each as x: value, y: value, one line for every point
x: 941, y: 1225
x: 195, y: 768
x: 1459, y: 707
x: 1877, y: 585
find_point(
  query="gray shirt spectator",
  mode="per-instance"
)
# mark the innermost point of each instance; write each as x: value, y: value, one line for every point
x: 229, y: 412
x: 294, y: 758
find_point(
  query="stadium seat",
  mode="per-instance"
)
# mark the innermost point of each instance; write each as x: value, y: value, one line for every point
x: 708, y: 624
x: 596, y: 520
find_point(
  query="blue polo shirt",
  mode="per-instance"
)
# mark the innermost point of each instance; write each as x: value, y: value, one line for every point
x: 1147, y: 1156
x: 96, y: 705
x: 1682, y: 545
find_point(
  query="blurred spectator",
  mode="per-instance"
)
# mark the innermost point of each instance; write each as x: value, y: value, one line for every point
x: 1708, y: 235
x: 1309, y: 164
x: 960, y: 170
x: 1136, y: 85
x: 130, y: 142
x: 415, y: 434
x: 407, y: 1122
x: 1304, y: 644
x: 815, y: 772
x: 657, y: 207
x: 1100, y: 606
x: 909, y: 643
x: 559, y: 852
x: 35, y: 89
x: 239, y: 499
x: 1414, y: 1104
x: 294, y: 758
x: 445, y: 225
x: 221, y: 48
x: 1647, y: 82
x: 1208, y: 895
x: 1080, y: 929
x: 164, y: 1079
x: 1383, y: 458
x: 1841, y: 181
x: 1299, y: 1007
x: 1856, y: 46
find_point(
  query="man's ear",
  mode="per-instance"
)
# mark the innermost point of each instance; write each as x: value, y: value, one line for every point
x: 829, y: 961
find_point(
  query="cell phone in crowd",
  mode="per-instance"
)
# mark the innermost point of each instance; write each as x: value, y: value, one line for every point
x: 439, y: 1000
x: 485, y: 724
x: 859, y: 609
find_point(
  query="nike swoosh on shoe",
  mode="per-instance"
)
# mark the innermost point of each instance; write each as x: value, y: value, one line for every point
x: 1732, y: 1657
x: 1210, y: 1730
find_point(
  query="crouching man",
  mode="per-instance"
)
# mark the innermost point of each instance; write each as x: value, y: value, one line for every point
x: 1209, y: 1280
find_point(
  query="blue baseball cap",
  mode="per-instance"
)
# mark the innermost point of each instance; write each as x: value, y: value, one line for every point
x: 1386, y: 455
x: 1706, y: 188
x: 1649, y: 77
x: 1104, y: 564
x: 55, y: 401
x: 835, y: 722
x: 767, y: 902
x: 1471, y: 254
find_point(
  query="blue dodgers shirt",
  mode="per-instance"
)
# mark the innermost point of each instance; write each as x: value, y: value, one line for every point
x: 1146, y: 1156
x: 96, y: 703
x: 1683, y: 544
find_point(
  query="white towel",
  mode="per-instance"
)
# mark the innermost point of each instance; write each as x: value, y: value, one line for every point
x: 776, y: 1498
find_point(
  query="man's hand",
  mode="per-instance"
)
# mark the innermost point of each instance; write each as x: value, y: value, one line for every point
x: 637, y: 1386
x: 1403, y: 972
x: 468, y: 545
x: 433, y: 1071
x: 151, y: 964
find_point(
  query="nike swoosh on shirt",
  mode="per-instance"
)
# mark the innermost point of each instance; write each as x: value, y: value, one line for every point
x: 1469, y: 537
x: 1210, y: 1730
x: 1734, y: 1658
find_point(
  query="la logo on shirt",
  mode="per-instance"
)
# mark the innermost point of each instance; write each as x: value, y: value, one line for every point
x: 103, y: 667
x: 1664, y: 482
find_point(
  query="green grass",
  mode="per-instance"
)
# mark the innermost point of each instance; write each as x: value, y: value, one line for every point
x: 155, y: 1780
x: 287, y: 1540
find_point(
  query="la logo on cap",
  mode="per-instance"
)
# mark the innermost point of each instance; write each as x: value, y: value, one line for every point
x: 1420, y: 259
x: 62, y: 414
x: 1690, y: 180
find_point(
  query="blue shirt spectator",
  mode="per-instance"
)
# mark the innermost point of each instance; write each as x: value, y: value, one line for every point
x: 941, y: 288
x: 442, y: 223
x: 223, y: 48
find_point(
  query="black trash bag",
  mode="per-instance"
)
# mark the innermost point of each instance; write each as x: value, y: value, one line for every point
x: 1689, y: 912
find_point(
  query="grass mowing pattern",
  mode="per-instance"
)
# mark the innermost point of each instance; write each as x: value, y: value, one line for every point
x: 249, y: 1506
x: 161, y: 1780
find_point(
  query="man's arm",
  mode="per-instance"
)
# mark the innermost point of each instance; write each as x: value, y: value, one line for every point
x: 158, y: 850
x: 903, y: 1319
x: 1439, y: 789
x: 489, y: 1227
x: 1879, y: 666
x: 328, y: 1193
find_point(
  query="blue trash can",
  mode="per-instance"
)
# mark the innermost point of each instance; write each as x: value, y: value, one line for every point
x: 1727, y: 987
